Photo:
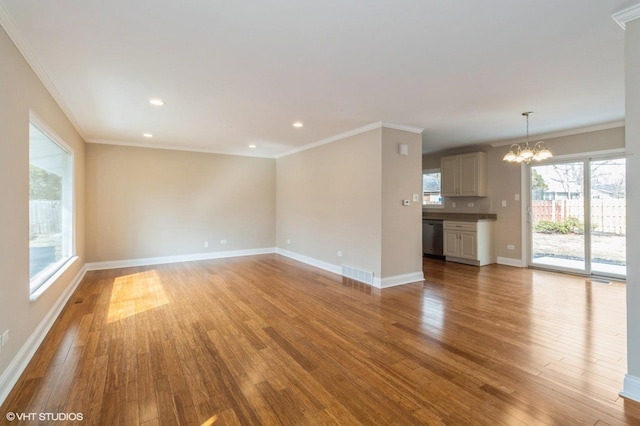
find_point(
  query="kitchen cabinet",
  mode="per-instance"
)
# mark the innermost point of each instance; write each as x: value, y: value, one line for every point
x: 464, y: 175
x: 469, y: 242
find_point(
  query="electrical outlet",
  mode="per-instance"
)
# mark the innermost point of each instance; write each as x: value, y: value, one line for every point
x: 453, y: 204
x: 339, y: 253
x: 517, y: 197
x: 511, y: 247
x: 416, y: 198
x: 206, y: 244
x: 288, y: 241
x: 504, y: 203
x: 223, y: 242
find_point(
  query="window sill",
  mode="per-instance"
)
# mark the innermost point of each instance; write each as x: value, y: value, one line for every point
x: 52, y: 279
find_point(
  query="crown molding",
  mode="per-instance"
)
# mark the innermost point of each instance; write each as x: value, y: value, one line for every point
x: 410, y: 129
x: 562, y: 133
x: 11, y: 28
x: 372, y: 126
x: 171, y: 148
x: 627, y: 15
x: 335, y: 138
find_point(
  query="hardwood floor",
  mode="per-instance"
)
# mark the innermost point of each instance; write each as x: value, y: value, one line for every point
x: 267, y: 340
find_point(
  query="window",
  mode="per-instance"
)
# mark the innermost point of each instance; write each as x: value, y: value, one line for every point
x: 50, y: 206
x: 431, y: 196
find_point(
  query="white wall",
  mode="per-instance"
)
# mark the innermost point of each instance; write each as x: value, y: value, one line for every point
x: 328, y: 200
x: 149, y: 203
x: 632, y: 91
x: 346, y: 196
x: 401, y: 225
x: 21, y: 92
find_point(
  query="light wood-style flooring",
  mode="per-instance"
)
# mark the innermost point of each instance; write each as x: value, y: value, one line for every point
x: 267, y: 340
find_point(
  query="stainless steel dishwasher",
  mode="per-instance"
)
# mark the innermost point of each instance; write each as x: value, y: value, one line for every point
x: 432, y: 238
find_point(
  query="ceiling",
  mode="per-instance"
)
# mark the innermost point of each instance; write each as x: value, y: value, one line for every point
x: 235, y: 73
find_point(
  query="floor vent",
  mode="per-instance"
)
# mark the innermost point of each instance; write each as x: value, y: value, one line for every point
x: 357, y: 274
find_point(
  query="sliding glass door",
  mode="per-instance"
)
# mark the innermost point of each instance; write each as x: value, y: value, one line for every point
x: 577, y: 215
x: 557, y: 216
x: 608, y: 208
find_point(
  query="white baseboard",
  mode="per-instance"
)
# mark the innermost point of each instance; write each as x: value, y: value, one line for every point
x: 96, y: 266
x: 336, y: 269
x: 398, y: 280
x: 509, y: 261
x: 10, y: 376
x: 631, y: 388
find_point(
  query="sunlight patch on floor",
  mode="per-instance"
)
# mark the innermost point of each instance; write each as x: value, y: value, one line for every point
x: 211, y: 421
x: 134, y: 294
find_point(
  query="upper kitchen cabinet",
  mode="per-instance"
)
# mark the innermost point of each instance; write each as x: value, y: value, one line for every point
x: 464, y: 175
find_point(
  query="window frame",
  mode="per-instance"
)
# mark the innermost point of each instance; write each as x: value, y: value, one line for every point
x: 432, y: 206
x: 48, y: 276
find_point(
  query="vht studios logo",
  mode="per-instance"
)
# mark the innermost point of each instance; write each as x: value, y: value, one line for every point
x: 45, y: 417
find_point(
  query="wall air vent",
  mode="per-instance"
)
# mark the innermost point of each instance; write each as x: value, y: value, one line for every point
x: 357, y: 274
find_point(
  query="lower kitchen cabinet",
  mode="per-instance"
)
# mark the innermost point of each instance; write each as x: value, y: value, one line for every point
x: 469, y: 242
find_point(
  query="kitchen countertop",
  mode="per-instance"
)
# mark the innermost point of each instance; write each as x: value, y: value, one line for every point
x: 462, y: 217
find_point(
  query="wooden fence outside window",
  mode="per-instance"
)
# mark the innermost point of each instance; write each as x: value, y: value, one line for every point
x: 608, y: 216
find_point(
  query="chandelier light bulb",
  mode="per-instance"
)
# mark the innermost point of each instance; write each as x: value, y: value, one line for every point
x: 509, y: 156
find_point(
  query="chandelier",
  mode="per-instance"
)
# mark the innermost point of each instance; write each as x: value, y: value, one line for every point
x: 517, y: 154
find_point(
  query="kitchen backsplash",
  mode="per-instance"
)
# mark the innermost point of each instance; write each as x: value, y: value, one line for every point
x: 465, y: 205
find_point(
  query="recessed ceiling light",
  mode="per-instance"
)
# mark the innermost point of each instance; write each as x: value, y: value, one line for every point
x: 157, y: 102
x: 252, y: 145
x: 297, y: 124
x: 147, y: 135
